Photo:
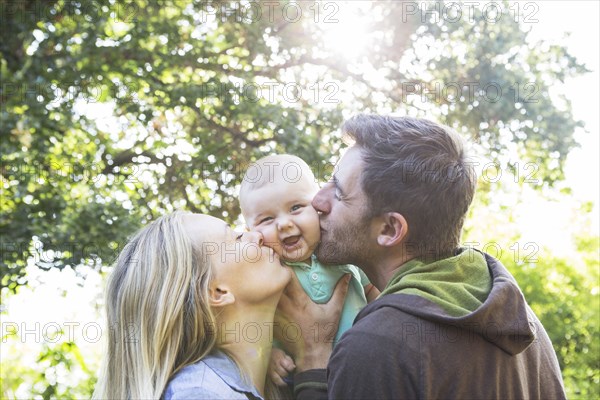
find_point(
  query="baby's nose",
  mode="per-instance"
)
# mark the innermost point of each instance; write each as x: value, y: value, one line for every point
x: 284, y: 223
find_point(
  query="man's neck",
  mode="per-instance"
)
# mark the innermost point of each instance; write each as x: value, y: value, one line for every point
x: 381, y: 271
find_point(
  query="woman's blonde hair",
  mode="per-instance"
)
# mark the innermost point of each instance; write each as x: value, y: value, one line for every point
x: 158, y: 314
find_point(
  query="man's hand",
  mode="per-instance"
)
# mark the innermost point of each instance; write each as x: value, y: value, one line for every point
x: 280, y: 366
x: 307, y: 329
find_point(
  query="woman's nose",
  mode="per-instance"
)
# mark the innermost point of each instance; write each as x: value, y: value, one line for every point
x: 253, y: 237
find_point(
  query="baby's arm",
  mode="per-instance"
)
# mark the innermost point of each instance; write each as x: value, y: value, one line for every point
x: 371, y: 292
x: 280, y: 366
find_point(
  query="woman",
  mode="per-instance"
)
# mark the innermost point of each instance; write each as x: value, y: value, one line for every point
x: 190, y: 307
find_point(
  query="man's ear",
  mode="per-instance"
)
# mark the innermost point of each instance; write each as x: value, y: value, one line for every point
x: 393, y: 230
x: 220, y: 296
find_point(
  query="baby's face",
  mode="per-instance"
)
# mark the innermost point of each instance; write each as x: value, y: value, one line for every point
x: 283, y: 213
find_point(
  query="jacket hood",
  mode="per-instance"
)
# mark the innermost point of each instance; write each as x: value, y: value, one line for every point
x: 503, y: 319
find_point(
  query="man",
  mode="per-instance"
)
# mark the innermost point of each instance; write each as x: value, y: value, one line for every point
x: 451, y: 322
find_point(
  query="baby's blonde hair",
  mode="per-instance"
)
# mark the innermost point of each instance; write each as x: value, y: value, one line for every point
x: 274, y: 168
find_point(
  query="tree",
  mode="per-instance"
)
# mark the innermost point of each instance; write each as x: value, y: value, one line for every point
x: 112, y: 113
x: 181, y: 83
x: 194, y: 91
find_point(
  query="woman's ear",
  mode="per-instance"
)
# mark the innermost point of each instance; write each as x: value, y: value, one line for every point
x: 220, y: 296
x: 394, y: 229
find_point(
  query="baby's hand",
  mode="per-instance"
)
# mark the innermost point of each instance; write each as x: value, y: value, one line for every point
x: 280, y: 366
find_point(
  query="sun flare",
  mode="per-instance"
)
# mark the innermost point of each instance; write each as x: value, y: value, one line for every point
x: 344, y: 29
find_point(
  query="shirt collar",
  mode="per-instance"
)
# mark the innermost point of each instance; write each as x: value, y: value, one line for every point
x: 303, y: 265
x: 228, y: 370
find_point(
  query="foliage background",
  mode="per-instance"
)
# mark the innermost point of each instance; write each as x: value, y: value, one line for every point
x: 113, y: 113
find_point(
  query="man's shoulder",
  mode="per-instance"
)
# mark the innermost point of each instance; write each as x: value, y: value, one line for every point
x: 382, y: 321
x: 378, y: 357
x: 390, y: 308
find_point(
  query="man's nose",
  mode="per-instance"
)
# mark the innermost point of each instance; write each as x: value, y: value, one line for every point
x: 320, y: 202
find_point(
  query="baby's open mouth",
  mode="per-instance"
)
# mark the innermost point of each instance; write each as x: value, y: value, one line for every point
x: 291, y: 241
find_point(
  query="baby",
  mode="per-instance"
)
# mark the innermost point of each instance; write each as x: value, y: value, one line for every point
x: 275, y: 198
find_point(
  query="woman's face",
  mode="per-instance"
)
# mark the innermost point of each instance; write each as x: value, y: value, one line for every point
x: 241, y: 264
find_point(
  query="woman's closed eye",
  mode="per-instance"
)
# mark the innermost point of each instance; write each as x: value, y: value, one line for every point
x: 239, y: 237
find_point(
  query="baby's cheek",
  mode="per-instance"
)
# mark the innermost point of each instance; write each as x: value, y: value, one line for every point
x: 270, y: 238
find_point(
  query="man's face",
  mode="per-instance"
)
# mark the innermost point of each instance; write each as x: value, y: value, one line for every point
x: 345, y: 228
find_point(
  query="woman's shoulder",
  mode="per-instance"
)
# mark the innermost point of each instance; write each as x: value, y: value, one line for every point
x: 195, y: 381
x: 214, y: 377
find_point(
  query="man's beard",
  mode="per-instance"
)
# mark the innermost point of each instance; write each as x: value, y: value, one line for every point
x: 346, y: 244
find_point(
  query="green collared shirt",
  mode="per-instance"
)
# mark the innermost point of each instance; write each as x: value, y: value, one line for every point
x: 318, y: 281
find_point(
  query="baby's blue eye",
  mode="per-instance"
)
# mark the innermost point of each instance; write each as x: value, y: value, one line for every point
x: 296, y: 207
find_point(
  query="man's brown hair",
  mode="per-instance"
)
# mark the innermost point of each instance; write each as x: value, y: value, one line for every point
x: 419, y: 169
